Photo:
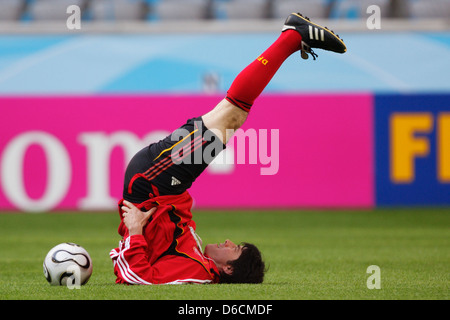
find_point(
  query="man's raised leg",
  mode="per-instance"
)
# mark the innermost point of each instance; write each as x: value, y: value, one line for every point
x: 170, y: 166
x: 299, y: 34
x: 232, y: 112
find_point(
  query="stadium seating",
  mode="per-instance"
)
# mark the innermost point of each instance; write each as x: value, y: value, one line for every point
x: 352, y: 9
x: 240, y: 9
x: 179, y: 9
x: 430, y: 9
x: 118, y: 10
x: 156, y: 10
x: 310, y: 8
x: 52, y: 9
x: 11, y: 10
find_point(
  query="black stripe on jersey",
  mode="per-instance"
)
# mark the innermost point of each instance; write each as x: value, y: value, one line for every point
x: 172, y: 250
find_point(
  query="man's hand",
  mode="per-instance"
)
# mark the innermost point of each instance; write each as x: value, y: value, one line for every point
x: 134, y: 218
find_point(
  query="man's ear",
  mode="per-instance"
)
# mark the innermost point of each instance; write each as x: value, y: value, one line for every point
x: 228, y: 269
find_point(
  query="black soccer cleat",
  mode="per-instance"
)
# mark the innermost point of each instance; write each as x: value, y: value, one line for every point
x: 314, y: 36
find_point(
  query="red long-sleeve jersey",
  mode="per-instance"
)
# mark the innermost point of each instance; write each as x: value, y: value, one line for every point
x: 168, y: 252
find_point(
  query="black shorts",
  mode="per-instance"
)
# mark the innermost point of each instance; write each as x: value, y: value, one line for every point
x: 170, y: 166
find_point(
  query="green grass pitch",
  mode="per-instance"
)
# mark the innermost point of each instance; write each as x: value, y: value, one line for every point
x: 311, y: 255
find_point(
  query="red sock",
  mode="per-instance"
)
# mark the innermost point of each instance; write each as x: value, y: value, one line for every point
x: 249, y: 84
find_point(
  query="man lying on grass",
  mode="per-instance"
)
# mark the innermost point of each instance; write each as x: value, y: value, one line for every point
x: 159, y: 244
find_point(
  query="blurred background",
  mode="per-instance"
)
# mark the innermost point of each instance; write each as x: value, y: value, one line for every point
x: 157, y: 10
x: 81, y: 91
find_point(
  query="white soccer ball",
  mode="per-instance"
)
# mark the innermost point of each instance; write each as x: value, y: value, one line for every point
x: 67, y: 264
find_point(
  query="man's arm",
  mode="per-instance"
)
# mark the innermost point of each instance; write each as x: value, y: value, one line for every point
x: 131, y: 263
x: 135, y: 219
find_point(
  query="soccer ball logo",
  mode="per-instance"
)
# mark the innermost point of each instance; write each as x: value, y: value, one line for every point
x: 67, y: 264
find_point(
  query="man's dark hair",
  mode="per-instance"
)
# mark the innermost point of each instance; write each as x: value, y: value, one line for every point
x: 248, y: 268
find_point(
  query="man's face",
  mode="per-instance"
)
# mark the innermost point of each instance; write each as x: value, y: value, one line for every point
x: 221, y: 253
